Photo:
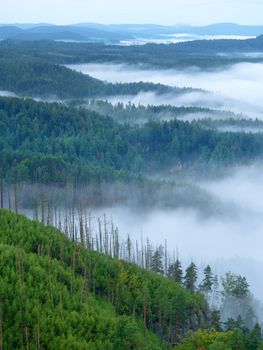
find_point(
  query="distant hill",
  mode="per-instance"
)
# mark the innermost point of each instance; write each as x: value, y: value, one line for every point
x: 117, y: 32
x: 9, y: 31
x: 47, y: 80
x: 153, y: 29
x: 52, y: 32
x: 223, y: 29
x: 198, y: 53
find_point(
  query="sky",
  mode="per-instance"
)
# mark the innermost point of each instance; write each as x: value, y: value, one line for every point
x: 167, y: 12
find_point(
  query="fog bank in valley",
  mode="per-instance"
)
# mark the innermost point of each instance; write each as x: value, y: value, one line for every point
x: 191, y: 99
x: 4, y: 93
x: 228, y: 241
x: 238, y: 87
x: 179, y: 38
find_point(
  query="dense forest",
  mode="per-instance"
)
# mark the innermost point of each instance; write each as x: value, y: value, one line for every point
x: 47, y: 80
x: 63, y: 294
x: 53, y: 143
x: 72, y: 281
x: 83, y: 299
x: 131, y: 114
x: 202, y: 53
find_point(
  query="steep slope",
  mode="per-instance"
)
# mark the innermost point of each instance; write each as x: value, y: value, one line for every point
x: 40, y: 79
x: 55, y: 294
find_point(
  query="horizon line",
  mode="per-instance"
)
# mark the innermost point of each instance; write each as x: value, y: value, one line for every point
x: 128, y: 23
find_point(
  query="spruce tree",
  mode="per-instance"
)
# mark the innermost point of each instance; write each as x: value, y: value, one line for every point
x: 190, y: 277
x: 208, y: 281
x: 254, y: 338
x: 175, y: 272
x: 157, y: 261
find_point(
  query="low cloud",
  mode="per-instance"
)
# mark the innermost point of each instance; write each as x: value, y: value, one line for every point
x: 231, y: 239
x: 4, y: 93
x: 237, y: 88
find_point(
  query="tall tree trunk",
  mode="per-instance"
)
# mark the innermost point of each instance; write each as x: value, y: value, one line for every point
x: 2, y: 192
x: 9, y: 200
x: 16, y: 198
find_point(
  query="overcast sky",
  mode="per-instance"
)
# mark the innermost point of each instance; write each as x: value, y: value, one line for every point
x: 196, y: 12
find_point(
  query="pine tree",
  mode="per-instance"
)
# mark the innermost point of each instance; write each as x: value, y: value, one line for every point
x: 157, y: 261
x: 175, y: 272
x: 208, y: 281
x: 254, y: 338
x: 190, y: 277
x: 235, y: 286
x: 215, y: 320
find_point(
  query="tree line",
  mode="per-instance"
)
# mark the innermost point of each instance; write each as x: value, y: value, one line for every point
x: 54, y: 286
x: 52, y: 143
x: 54, y: 290
x: 37, y: 78
x: 199, y: 53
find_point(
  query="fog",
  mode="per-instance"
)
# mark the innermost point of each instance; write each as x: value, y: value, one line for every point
x: 4, y: 93
x: 190, y: 99
x: 253, y: 55
x: 228, y: 242
x: 231, y: 239
x: 231, y: 236
x: 232, y: 128
x: 237, y: 88
x: 178, y: 38
x: 222, y: 227
x: 228, y: 236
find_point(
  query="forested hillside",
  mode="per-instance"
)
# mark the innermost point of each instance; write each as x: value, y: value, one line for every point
x: 202, y: 53
x: 72, y: 278
x: 56, y: 294
x: 47, y: 80
x: 131, y: 114
x: 52, y: 143
x: 115, y: 33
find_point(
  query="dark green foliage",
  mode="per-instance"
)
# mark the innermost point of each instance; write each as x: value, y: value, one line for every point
x: 52, y: 143
x: 202, y: 53
x: 235, y: 286
x: 254, y: 339
x: 237, y: 301
x: 132, y: 114
x: 58, y: 294
x: 208, y: 281
x: 157, y: 261
x: 190, y: 277
x: 216, y: 320
x: 47, y: 80
x: 175, y: 271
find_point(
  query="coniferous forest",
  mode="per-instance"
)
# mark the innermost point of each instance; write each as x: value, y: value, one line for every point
x: 58, y: 293
x: 70, y: 146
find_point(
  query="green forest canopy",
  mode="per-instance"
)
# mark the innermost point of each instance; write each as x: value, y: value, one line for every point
x: 53, y: 143
x: 200, y: 53
x: 55, y: 294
